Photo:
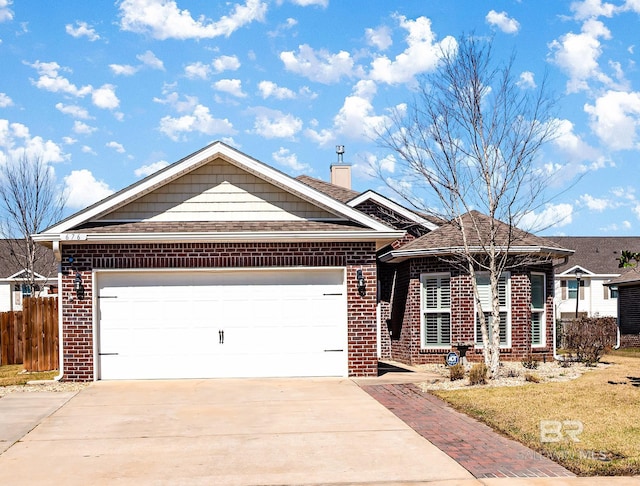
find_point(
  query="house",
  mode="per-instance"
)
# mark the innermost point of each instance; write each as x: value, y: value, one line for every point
x: 15, y: 279
x: 628, y: 287
x: 221, y: 266
x: 595, y: 260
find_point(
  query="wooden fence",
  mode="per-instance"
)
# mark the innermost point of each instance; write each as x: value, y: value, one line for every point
x: 30, y: 337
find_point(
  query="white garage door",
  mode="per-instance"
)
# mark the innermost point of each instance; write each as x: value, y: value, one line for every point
x: 179, y: 324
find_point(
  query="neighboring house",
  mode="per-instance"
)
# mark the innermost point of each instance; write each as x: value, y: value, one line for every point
x: 628, y: 285
x: 595, y: 259
x: 220, y: 265
x: 14, y: 278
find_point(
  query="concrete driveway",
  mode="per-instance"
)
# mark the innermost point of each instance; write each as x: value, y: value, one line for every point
x: 226, y: 432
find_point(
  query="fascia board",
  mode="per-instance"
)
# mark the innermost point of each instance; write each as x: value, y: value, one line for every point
x: 265, y: 236
x: 193, y: 161
x: 389, y: 204
x: 397, y: 256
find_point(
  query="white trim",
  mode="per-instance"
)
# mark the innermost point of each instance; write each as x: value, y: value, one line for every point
x: 393, y: 206
x: 194, y: 161
x: 543, y: 322
x: 397, y: 256
x: 444, y: 310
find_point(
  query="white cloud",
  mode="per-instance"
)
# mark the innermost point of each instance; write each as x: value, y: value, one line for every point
x: 285, y: 158
x: 82, y: 29
x: 502, y: 21
x: 356, y: 118
x: 577, y: 55
x: 105, y: 97
x: 526, y: 80
x: 421, y: 55
x: 82, y: 189
x: 275, y: 124
x: 86, y: 149
x: 5, y: 100
x: 268, y: 89
x: 73, y: 110
x: 82, y: 128
x: 230, y: 86
x: 320, y: 66
x: 380, y: 37
x: 69, y: 140
x: 307, y: 3
x: 149, y: 169
x: 197, y: 70
x: 592, y: 9
x: 51, y: 80
x: 123, y: 69
x: 226, y: 63
x: 200, y: 121
x: 6, y: 14
x: 615, y: 118
x: 16, y: 141
x: 573, y: 147
x: 552, y: 216
x: 594, y: 203
x: 116, y: 146
x: 164, y: 20
x: 150, y: 60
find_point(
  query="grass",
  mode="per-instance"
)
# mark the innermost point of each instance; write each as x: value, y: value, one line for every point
x: 605, y: 401
x: 15, y: 375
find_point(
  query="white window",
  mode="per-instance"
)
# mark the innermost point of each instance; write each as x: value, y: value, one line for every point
x: 538, y: 301
x: 484, y: 290
x: 436, y: 310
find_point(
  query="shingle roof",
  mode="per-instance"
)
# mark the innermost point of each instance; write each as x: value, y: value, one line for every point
x: 340, y: 193
x: 214, y: 227
x: 45, y: 264
x: 449, y: 235
x: 449, y: 238
x: 630, y: 276
x: 597, y: 254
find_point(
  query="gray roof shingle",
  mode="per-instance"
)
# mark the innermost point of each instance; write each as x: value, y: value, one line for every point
x: 597, y: 254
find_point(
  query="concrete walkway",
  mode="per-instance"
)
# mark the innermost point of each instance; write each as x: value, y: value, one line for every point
x: 21, y: 412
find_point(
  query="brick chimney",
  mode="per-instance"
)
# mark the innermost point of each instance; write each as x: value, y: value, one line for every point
x: 341, y: 172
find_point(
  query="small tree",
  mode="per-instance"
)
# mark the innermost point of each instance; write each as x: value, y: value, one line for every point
x: 29, y: 202
x: 471, y: 139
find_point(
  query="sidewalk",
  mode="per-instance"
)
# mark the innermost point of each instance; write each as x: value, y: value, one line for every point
x: 475, y: 446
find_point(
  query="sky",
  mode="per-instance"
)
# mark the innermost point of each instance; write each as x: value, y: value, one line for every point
x: 109, y: 92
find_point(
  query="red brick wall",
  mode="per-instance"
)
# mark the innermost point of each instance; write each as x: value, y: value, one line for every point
x: 406, y: 348
x: 77, y: 315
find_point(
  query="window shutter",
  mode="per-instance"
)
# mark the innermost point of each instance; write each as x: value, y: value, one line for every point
x: 582, y: 282
x: 605, y: 292
x: 563, y: 285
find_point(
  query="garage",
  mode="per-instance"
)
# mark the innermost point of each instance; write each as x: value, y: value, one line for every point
x: 221, y: 323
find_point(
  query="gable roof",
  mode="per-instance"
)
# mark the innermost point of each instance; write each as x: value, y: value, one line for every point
x: 596, y: 254
x: 629, y: 277
x: 448, y: 240
x: 11, y: 267
x: 93, y: 225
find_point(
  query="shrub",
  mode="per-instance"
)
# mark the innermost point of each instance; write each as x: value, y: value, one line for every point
x: 590, y: 337
x: 532, y: 377
x: 457, y: 372
x: 530, y: 362
x: 478, y: 374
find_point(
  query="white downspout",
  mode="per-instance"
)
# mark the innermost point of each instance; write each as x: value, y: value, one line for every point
x: 58, y: 255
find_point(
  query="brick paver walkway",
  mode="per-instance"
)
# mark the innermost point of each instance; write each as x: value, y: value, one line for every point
x: 475, y: 446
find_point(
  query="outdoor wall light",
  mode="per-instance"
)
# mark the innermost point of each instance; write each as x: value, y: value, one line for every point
x: 362, y: 285
x: 78, y: 287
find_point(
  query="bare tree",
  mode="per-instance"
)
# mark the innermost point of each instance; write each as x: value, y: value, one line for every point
x: 471, y: 139
x: 29, y: 202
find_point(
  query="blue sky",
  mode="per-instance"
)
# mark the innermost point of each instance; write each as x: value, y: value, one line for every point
x: 109, y: 92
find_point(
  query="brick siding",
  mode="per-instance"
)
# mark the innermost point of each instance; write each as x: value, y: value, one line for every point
x: 77, y: 315
x: 405, y: 339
